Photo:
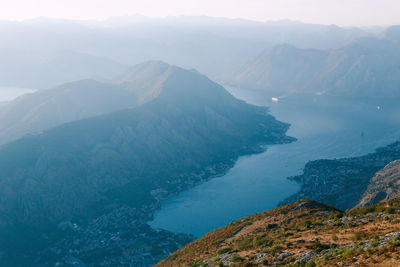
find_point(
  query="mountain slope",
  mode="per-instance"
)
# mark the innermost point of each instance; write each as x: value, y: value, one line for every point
x: 342, y: 182
x: 384, y: 185
x: 89, y: 169
x: 70, y: 102
x: 73, y: 101
x: 367, y: 67
x: 305, y: 233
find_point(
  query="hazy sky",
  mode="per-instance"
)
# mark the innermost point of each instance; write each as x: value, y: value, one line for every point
x: 341, y: 12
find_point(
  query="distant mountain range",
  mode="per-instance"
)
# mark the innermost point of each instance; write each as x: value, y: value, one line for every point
x: 43, y: 52
x: 368, y: 67
x: 38, y: 69
x: 61, y: 186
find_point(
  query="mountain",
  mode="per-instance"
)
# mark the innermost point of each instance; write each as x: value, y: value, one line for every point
x: 304, y: 233
x: 83, y: 191
x: 368, y: 67
x: 185, y: 41
x: 40, y: 69
x: 77, y: 100
x: 45, y: 109
x: 343, y: 182
x: 282, y: 69
x: 383, y: 186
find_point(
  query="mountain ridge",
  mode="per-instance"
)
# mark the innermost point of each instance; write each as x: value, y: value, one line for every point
x: 366, y: 67
x: 90, y: 169
x: 77, y: 100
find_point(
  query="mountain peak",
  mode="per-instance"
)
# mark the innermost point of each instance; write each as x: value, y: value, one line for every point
x: 153, y: 79
x: 146, y: 79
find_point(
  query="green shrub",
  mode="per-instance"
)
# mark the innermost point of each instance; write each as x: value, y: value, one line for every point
x: 275, y: 249
x: 348, y: 253
x: 318, y: 246
x: 262, y: 241
x: 375, y: 243
x: 236, y: 258
x: 390, y: 210
x: 271, y: 226
x: 224, y: 250
x: 245, y: 243
x: 335, y: 238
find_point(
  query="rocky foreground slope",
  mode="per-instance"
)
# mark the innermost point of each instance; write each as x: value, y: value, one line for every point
x: 304, y: 233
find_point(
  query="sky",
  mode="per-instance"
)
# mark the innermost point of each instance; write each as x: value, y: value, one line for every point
x: 340, y: 12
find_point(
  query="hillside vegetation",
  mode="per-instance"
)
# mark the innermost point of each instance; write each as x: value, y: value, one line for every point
x: 304, y: 233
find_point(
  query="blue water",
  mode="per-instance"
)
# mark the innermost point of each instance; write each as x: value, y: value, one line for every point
x: 258, y: 182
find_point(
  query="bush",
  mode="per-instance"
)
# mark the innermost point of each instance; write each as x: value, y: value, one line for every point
x: 348, y: 253
x: 318, y: 246
x: 333, y: 245
x: 275, y: 249
x: 245, y: 243
x: 236, y: 258
x: 262, y: 241
x: 375, y: 243
x: 335, y: 238
x: 271, y: 226
x: 390, y: 210
x: 358, y: 235
x: 224, y: 250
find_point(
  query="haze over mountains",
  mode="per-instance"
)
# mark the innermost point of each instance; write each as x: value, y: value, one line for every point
x: 368, y: 67
x: 73, y: 101
x: 87, y: 158
x: 38, y: 69
x: 121, y: 164
x: 38, y: 53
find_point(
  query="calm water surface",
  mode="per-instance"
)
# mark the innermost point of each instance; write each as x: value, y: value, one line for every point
x: 325, y: 128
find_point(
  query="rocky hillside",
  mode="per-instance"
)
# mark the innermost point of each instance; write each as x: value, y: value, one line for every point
x: 383, y: 186
x: 343, y: 182
x: 368, y: 68
x: 65, y: 185
x: 305, y: 233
